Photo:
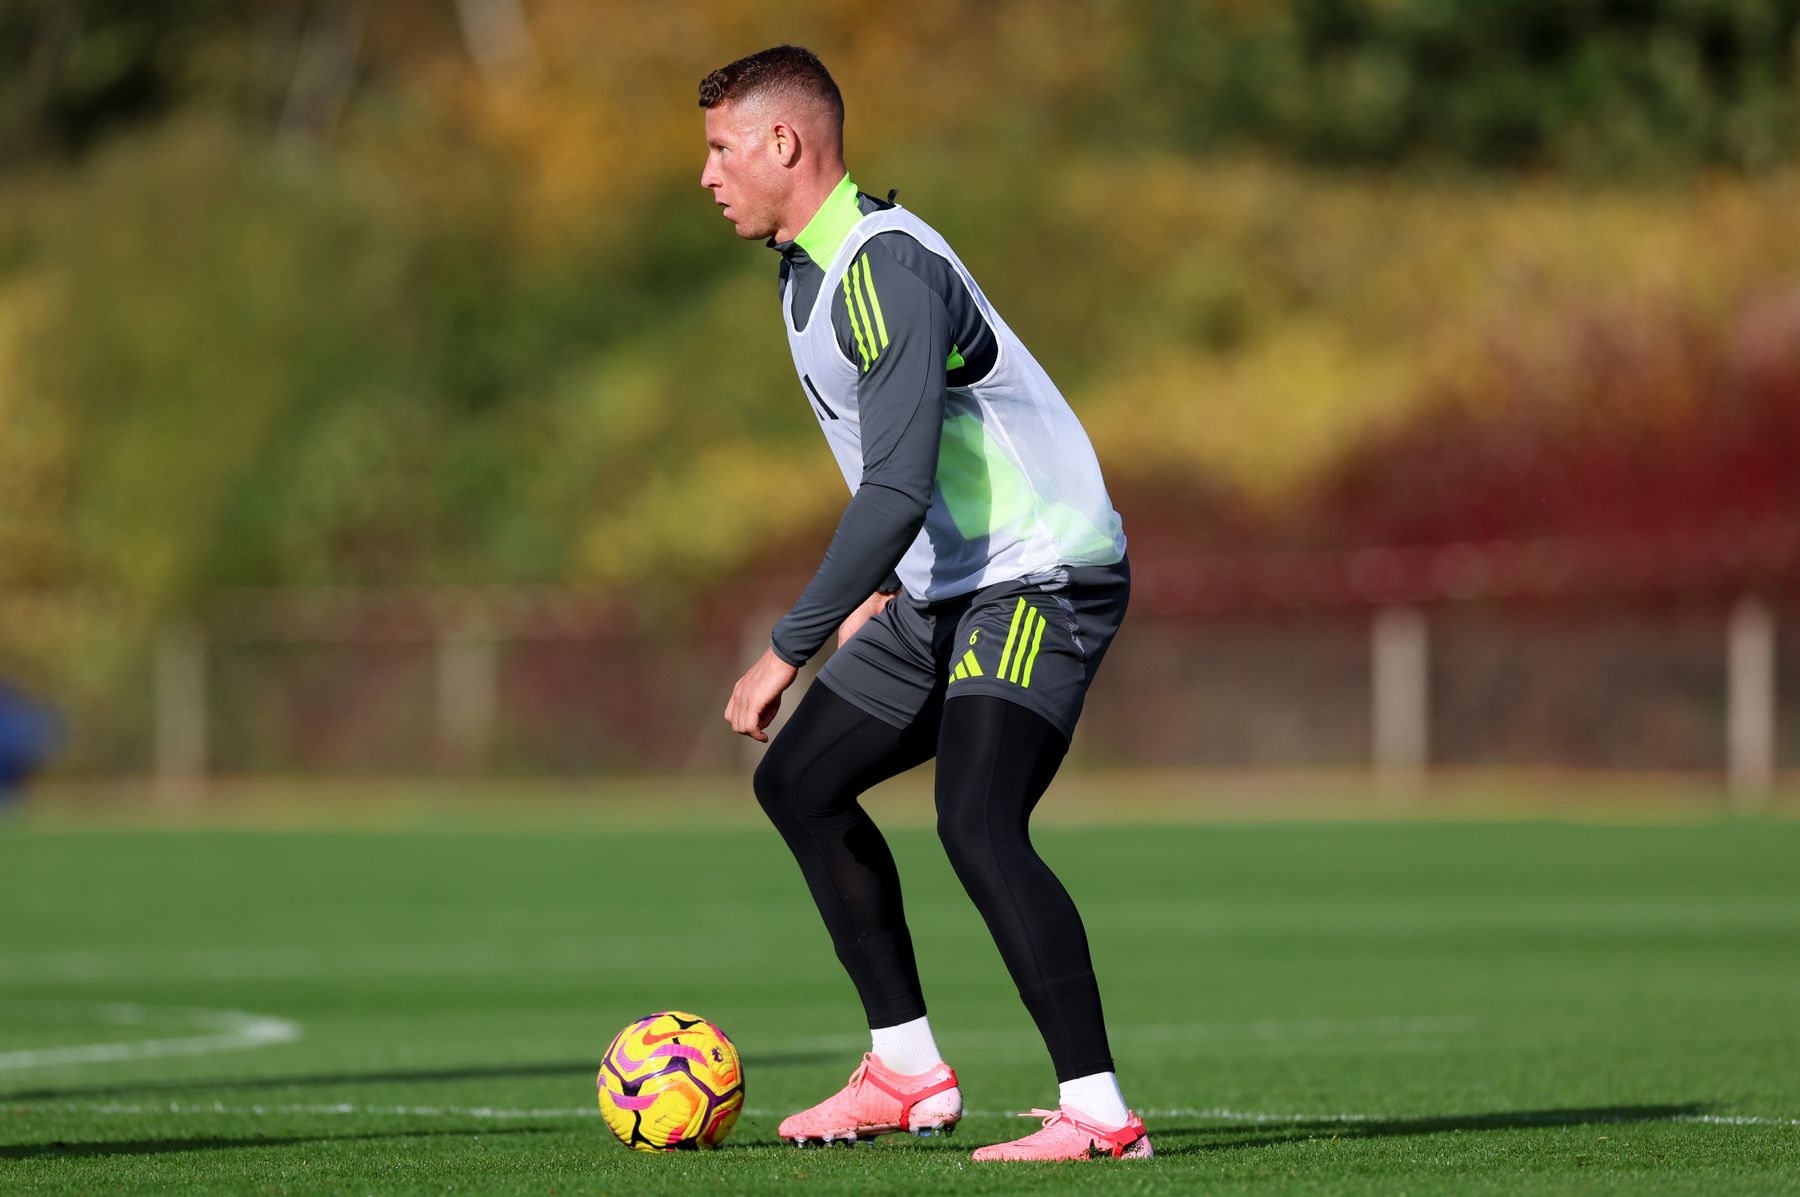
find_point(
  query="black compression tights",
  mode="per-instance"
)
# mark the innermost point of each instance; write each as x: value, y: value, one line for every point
x: 995, y: 759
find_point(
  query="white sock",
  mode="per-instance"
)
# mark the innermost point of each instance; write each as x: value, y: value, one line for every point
x: 908, y: 1049
x: 1097, y: 1095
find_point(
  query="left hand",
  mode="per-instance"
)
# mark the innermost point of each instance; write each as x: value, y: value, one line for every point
x: 757, y: 695
x: 870, y: 608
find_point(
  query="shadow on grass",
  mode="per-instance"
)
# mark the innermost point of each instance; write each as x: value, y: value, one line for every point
x: 415, y: 1076
x: 1271, y: 1134
x: 61, y: 1149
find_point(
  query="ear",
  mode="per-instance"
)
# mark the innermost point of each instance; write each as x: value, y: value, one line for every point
x: 785, y: 141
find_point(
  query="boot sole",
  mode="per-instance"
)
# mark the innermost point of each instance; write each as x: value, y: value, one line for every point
x: 868, y: 1134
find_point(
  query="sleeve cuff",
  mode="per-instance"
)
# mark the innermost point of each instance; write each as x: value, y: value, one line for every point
x: 796, y: 662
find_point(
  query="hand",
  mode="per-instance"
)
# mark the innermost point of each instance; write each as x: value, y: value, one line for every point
x: 757, y: 695
x: 871, y: 607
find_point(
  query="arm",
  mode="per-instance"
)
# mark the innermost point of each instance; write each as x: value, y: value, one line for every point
x: 900, y: 403
x: 871, y: 536
x: 900, y: 400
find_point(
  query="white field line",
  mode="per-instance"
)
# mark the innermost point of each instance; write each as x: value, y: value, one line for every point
x: 1735, y: 1120
x: 477, y: 958
x: 1383, y: 1033
x: 332, y: 1108
x: 1548, y: 1120
x: 1306, y: 1028
x: 236, y: 1030
x: 487, y: 1113
x: 1392, y: 1026
x: 224, y: 1031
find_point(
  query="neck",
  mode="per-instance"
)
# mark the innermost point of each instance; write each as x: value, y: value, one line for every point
x: 807, y: 199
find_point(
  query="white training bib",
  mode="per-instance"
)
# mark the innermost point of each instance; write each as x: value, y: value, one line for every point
x: 1018, y: 491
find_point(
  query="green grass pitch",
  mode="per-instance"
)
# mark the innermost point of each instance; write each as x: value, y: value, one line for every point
x: 1299, y: 1008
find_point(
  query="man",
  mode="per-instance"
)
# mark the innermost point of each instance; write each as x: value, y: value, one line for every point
x: 975, y: 581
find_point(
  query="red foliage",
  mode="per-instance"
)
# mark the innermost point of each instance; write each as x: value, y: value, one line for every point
x: 1660, y: 430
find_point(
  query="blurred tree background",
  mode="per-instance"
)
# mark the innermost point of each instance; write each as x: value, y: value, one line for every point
x: 425, y: 291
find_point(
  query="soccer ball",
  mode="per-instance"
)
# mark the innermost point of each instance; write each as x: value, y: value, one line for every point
x: 671, y: 1081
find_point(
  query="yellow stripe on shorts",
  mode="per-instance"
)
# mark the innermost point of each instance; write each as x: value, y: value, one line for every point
x: 1037, y: 642
x: 1033, y: 627
x: 1012, y: 634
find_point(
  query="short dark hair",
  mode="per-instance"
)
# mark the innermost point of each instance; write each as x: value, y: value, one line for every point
x: 792, y: 69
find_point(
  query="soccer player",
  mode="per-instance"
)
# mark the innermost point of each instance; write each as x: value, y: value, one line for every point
x: 975, y: 580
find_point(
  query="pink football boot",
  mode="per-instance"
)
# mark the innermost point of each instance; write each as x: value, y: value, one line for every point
x: 878, y: 1101
x: 1069, y: 1134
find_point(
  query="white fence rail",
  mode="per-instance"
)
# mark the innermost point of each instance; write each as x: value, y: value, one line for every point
x: 468, y: 700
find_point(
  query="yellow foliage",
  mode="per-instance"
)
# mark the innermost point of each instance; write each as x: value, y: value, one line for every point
x: 36, y: 441
x: 722, y: 503
x: 1347, y: 301
x: 1260, y: 421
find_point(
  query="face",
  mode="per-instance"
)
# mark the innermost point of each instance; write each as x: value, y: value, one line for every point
x: 744, y: 170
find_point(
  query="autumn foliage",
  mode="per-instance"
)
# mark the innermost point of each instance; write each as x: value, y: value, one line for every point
x: 416, y: 292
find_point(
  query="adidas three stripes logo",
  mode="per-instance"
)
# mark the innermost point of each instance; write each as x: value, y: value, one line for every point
x: 862, y: 304
x: 967, y: 667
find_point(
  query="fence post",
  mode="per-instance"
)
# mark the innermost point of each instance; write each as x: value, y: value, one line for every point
x: 180, y: 697
x: 468, y: 670
x: 1750, y: 703
x: 1401, y: 699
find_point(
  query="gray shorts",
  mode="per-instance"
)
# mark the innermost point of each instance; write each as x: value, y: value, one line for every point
x: 1038, y: 644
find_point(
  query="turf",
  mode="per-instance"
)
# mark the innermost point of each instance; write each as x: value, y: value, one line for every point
x: 1341, y: 1008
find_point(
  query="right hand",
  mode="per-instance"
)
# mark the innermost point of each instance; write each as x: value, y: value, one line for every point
x: 757, y: 696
